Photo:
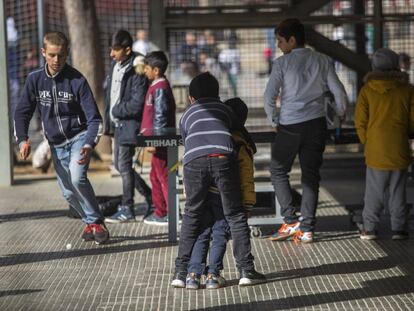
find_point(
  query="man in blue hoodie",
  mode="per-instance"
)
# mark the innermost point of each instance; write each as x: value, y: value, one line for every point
x: 71, y: 124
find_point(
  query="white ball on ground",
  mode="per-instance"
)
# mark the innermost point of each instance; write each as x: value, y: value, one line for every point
x: 68, y: 246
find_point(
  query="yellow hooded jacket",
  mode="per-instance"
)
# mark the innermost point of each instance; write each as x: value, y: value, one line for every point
x: 245, y: 157
x: 246, y: 169
x: 384, y: 118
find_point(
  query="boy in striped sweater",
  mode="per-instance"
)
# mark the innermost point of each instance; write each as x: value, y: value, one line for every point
x: 215, y: 226
x: 210, y: 159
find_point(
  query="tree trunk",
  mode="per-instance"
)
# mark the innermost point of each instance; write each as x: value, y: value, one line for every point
x: 85, y: 49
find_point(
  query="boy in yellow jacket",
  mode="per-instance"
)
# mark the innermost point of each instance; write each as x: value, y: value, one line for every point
x: 384, y: 119
x: 215, y: 226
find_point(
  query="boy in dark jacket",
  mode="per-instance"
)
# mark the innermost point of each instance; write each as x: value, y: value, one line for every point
x: 209, y: 159
x: 159, y: 112
x: 71, y: 122
x: 124, y: 99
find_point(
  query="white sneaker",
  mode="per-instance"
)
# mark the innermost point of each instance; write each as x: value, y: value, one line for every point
x: 179, y: 280
x: 178, y: 283
x: 368, y: 235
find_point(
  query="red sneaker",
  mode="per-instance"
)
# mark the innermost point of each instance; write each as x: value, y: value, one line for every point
x: 87, y: 234
x: 100, y: 233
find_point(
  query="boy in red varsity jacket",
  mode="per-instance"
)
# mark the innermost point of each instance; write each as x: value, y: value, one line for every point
x: 159, y: 112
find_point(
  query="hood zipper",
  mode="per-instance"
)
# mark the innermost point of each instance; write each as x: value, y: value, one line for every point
x: 55, y: 99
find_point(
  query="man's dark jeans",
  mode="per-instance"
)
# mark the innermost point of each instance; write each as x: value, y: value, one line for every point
x: 199, y: 174
x: 130, y: 178
x: 216, y: 227
x: 306, y: 139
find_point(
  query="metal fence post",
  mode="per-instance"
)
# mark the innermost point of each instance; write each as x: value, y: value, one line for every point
x: 378, y: 25
x: 41, y: 27
x: 6, y: 160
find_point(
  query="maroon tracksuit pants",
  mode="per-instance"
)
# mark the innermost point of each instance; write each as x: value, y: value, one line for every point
x: 159, y: 182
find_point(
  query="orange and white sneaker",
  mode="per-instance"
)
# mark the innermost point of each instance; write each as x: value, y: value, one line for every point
x: 285, y: 232
x: 303, y: 237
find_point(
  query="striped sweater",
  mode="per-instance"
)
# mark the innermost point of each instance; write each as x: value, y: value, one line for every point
x: 205, y: 129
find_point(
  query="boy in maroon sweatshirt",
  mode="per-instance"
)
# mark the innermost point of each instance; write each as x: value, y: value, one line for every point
x: 159, y: 112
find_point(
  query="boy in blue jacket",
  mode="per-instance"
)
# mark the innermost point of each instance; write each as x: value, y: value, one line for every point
x: 71, y: 123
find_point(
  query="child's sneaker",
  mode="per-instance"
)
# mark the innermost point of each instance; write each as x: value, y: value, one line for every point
x: 124, y: 214
x: 303, y: 237
x: 215, y: 281
x: 87, y: 234
x: 179, y: 280
x: 285, y: 232
x: 150, y: 208
x: 100, y: 233
x: 251, y: 277
x: 368, y: 235
x: 192, y: 281
x: 400, y: 235
x: 155, y: 220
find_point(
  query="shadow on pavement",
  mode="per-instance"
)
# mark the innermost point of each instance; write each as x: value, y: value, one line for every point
x: 153, y: 237
x: 34, y: 215
x: 370, y: 289
x: 362, y: 266
x: 139, y: 208
x: 33, y: 179
x: 4, y: 293
x: 24, y: 258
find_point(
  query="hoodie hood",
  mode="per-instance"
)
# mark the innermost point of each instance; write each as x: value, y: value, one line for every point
x: 383, y: 81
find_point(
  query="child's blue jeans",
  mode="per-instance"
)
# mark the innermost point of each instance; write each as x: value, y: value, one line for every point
x: 215, y: 227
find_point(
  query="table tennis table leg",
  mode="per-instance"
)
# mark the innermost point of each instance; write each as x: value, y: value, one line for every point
x: 172, y: 194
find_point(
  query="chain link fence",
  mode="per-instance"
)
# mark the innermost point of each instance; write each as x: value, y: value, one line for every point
x: 239, y: 57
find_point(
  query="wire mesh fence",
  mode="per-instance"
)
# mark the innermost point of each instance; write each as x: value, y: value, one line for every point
x: 24, y: 53
x: 255, y: 48
x: 239, y: 57
x: 240, y: 60
x: 131, y: 15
